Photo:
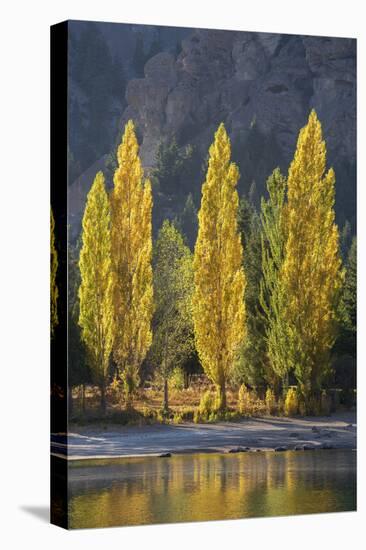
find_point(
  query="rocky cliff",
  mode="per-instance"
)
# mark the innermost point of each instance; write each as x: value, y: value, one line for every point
x: 245, y: 78
x: 262, y: 86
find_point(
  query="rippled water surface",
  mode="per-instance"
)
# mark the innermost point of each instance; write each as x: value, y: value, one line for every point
x: 210, y: 487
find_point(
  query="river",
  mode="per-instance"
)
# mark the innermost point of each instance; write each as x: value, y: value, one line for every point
x: 201, y: 487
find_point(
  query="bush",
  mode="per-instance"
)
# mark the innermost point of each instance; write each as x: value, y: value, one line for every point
x: 117, y: 390
x: 177, y: 418
x: 247, y: 401
x: 270, y: 401
x: 207, y: 405
x: 291, y: 407
x: 176, y: 380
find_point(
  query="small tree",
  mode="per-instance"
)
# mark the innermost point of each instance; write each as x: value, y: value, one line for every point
x: 187, y: 222
x: 271, y: 296
x: 173, y: 286
x: 96, y: 288
x: 250, y: 367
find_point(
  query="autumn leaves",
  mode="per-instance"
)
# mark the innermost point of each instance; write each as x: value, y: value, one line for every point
x: 301, y: 278
x: 116, y: 291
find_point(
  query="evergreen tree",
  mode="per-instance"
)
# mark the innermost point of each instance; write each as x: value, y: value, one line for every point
x: 53, y: 276
x: 311, y: 272
x: 345, y: 240
x: 272, y: 298
x: 96, y: 288
x: 175, y: 168
x: 187, y: 222
x: 131, y: 205
x: 349, y: 295
x: 218, y: 302
x: 249, y: 368
x: 345, y: 349
x: 173, y: 341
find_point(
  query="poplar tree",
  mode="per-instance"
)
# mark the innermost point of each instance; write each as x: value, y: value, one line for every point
x: 250, y: 367
x: 271, y: 296
x: 173, y: 340
x: 311, y: 273
x: 53, y: 274
x: 96, y: 288
x: 131, y: 206
x: 218, y: 302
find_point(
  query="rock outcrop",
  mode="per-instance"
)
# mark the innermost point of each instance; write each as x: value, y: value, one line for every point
x: 247, y: 79
x: 262, y: 86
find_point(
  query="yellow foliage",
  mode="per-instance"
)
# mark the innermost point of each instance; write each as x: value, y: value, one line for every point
x: 131, y: 206
x: 53, y: 274
x: 311, y: 272
x: 291, y: 406
x: 270, y: 401
x: 96, y: 288
x: 248, y: 403
x: 218, y: 302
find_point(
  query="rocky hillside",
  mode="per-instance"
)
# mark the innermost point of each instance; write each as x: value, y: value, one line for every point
x: 262, y: 86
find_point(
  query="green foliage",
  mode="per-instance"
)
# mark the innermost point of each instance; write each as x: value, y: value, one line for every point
x: 175, y: 168
x: 270, y: 401
x: 173, y: 287
x: 250, y: 366
x: 130, y: 380
x: 349, y: 297
x: 207, y: 406
x: 291, y: 406
x: 247, y: 401
x: 271, y: 295
x: 345, y: 240
x: 176, y: 379
x: 187, y: 222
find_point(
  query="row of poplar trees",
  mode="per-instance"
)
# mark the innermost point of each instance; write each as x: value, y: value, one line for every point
x: 134, y: 301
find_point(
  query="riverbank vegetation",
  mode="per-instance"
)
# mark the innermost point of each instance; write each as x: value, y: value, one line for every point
x: 236, y: 309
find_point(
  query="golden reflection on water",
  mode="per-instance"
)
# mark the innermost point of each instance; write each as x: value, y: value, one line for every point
x: 210, y: 487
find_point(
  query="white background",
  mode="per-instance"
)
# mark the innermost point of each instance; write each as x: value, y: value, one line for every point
x: 24, y: 268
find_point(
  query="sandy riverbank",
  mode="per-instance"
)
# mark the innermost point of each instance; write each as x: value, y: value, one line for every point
x: 255, y: 434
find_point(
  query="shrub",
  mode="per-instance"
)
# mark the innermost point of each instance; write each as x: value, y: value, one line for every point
x: 117, y: 390
x: 270, y: 401
x: 176, y: 380
x: 291, y: 402
x: 207, y: 405
x: 177, y: 418
x: 246, y: 401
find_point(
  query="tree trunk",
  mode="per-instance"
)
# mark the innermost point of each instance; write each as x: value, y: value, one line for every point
x: 165, y: 396
x: 103, y: 404
x: 221, y: 391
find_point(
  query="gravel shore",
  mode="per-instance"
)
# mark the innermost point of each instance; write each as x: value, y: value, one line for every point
x: 254, y: 434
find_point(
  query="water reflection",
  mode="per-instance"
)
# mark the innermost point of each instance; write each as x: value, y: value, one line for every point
x: 210, y: 487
